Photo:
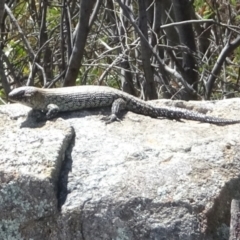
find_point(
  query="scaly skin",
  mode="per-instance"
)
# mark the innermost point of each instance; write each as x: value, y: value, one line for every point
x: 52, y: 101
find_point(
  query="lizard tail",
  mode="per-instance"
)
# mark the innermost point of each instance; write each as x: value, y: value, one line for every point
x: 178, y: 113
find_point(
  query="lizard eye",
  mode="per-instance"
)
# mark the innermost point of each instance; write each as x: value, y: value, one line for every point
x: 21, y: 93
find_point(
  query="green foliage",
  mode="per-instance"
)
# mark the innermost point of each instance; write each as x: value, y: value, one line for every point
x: 53, y: 17
x: 203, y: 9
x: 2, y: 95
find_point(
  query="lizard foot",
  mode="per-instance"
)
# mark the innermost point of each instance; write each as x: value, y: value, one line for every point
x: 110, y: 119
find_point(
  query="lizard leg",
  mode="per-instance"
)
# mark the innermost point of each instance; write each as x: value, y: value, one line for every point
x: 38, y: 115
x: 52, y: 111
x: 117, y: 106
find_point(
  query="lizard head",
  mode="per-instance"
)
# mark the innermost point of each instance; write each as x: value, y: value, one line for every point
x: 23, y: 95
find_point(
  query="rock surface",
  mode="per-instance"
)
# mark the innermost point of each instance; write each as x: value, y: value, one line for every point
x: 142, y: 178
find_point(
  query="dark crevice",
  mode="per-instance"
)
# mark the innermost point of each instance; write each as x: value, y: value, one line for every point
x: 219, y: 214
x: 63, y: 176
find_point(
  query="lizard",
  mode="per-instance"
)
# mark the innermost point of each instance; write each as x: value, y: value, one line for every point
x: 47, y: 103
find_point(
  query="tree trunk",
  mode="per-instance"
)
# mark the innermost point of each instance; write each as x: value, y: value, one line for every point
x: 150, y: 91
x: 182, y: 12
x: 2, y: 73
x: 79, y: 45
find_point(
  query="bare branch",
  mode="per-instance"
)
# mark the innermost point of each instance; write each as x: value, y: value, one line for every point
x: 229, y: 47
x: 231, y: 27
x: 23, y: 36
